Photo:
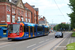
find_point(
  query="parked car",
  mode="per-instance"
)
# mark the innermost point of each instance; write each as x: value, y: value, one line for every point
x: 58, y: 35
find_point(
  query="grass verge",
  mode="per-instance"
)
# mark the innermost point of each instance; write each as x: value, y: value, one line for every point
x: 71, y: 46
x: 73, y: 34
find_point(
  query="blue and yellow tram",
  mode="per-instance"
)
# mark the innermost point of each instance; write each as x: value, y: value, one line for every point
x: 23, y: 30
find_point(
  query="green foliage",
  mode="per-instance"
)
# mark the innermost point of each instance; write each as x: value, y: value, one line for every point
x: 71, y: 46
x: 72, y: 15
x: 61, y: 26
x: 73, y: 34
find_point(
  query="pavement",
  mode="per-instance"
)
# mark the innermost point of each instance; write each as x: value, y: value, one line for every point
x: 39, y: 43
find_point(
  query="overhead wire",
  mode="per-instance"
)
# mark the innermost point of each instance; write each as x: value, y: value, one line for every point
x: 59, y: 9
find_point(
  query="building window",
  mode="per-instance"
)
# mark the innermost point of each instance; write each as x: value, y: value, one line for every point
x: 18, y: 18
x: 13, y: 10
x: 26, y: 19
x: 26, y: 13
x: 18, y: 12
x: 22, y: 18
x: 8, y: 8
x: 9, y: 0
x: 13, y: 19
x: 22, y: 12
x: 34, y: 15
x: 8, y: 18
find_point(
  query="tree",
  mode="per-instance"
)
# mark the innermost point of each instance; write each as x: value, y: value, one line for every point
x: 62, y: 27
x: 72, y: 15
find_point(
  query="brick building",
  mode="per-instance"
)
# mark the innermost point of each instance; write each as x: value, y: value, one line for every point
x: 12, y: 11
x: 43, y: 21
x: 34, y: 12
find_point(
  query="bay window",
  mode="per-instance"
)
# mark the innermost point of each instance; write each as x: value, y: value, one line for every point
x: 8, y: 18
x: 18, y: 18
x: 13, y: 19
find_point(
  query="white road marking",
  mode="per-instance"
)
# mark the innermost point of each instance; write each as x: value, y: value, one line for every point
x: 8, y: 44
x: 69, y: 40
x: 5, y: 45
x: 31, y: 45
x: 22, y: 42
x: 41, y: 42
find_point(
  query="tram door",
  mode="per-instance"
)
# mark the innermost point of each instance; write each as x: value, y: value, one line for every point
x: 29, y: 31
x: 32, y: 31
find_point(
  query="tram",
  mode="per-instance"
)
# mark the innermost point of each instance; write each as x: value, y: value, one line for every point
x: 23, y: 30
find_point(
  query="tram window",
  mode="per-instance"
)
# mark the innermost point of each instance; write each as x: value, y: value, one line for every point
x: 31, y: 29
x: 34, y: 29
x: 45, y: 29
x: 48, y: 29
x: 25, y: 28
x: 39, y: 28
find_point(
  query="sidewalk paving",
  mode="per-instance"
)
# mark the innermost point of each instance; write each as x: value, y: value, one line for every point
x: 3, y: 39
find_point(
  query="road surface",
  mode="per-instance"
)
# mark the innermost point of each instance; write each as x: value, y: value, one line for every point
x: 40, y: 43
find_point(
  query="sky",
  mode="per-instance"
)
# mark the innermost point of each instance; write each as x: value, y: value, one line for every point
x: 49, y: 9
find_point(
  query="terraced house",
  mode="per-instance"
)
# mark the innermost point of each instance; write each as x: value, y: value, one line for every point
x: 12, y: 11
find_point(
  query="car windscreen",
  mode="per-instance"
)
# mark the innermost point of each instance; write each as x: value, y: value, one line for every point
x: 58, y: 33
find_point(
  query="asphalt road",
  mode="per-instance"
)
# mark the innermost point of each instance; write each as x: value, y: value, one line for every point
x: 40, y: 43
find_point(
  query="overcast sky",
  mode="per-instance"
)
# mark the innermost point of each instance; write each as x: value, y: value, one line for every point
x: 49, y: 9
